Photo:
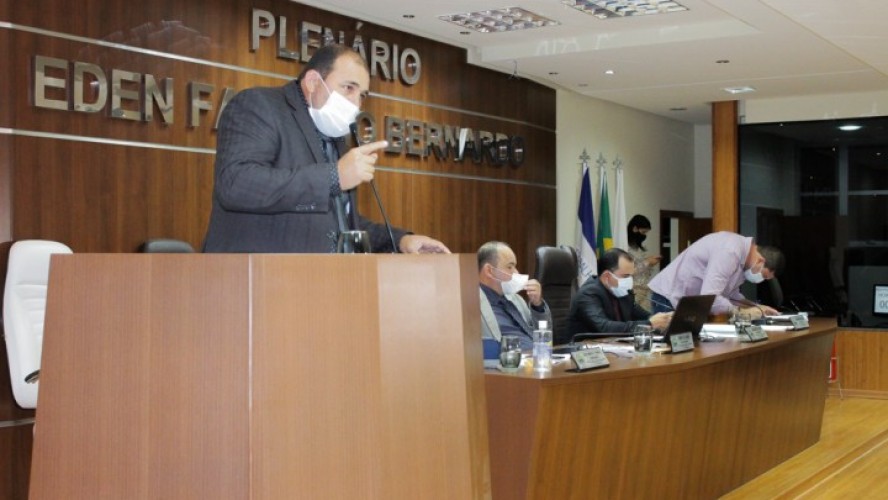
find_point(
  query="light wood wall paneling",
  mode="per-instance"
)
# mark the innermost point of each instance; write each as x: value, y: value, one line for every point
x: 862, y: 357
x: 725, y: 169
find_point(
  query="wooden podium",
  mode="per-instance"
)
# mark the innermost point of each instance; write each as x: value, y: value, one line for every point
x: 261, y: 376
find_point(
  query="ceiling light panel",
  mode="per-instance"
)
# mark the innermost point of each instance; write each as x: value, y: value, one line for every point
x: 606, y: 9
x: 499, y: 20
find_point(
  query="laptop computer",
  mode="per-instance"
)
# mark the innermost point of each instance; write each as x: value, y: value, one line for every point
x: 690, y: 314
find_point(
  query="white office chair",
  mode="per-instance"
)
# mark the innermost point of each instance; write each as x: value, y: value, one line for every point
x: 24, y: 306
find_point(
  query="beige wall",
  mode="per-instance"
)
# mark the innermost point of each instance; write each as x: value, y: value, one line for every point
x: 657, y: 153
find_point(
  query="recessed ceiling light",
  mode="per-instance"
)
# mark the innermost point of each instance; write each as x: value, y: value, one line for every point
x: 499, y: 20
x: 606, y: 9
x: 609, y: 72
x: 850, y: 127
x: 739, y: 90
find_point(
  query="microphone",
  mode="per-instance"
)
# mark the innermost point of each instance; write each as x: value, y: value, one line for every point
x: 388, y: 226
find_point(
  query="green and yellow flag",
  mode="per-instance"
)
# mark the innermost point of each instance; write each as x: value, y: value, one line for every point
x: 605, y: 239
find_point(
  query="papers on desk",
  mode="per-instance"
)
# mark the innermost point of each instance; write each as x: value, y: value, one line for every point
x: 781, y: 317
x: 728, y: 331
x: 625, y: 351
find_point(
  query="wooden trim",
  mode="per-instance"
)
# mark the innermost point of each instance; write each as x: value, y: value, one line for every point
x: 837, y: 391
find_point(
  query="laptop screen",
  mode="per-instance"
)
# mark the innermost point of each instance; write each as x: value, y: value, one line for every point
x: 690, y: 314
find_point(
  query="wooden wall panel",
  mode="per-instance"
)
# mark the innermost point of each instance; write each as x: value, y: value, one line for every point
x: 725, y: 167
x: 97, y: 197
x: 862, y: 357
x: 16, y: 438
x: 110, y: 198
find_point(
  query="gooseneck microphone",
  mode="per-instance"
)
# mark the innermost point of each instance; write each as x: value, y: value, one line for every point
x: 388, y: 226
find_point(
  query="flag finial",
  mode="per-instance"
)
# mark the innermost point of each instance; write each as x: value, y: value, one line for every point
x: 601, y: 161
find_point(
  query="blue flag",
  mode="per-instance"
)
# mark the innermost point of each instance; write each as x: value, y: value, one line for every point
x: 588, y: 264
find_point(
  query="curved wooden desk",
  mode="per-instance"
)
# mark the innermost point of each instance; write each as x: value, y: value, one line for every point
x: 690, y: 425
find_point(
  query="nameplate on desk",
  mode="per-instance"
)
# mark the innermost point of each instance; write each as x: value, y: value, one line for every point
x: 681, y: 342
x: 756, y: 333
x: 799, y: 322
x: 587, y: 359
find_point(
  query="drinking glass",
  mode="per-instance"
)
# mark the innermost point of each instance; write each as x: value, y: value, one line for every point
x: 510, y: 351
x: 741, y: 320
x: 353, y: 242
x: 643, y: 337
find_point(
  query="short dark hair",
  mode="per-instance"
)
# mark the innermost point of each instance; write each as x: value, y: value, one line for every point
x: 610, y: 261
x: 489, y: 253
x: 323, y: 60
x: 639, y: 221
x: 774, y: 259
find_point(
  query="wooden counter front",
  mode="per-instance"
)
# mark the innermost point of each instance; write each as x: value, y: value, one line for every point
x: 690, y: 425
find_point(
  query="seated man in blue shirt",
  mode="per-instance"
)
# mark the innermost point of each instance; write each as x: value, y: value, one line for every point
x: 607, y: 304
x: 503, y: 311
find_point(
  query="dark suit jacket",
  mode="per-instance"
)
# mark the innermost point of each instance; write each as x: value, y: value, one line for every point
x: 272, y: 181
x: 591, y: 311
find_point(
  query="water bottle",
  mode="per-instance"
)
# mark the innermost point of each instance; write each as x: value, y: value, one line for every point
x: 542, y: 348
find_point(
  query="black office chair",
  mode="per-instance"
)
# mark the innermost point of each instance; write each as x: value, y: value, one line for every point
x: 556, y: 270
x: 165, y: 245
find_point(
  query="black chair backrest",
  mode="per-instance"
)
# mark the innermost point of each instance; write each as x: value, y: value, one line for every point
x: 165, y: 245
x: 556, y: 270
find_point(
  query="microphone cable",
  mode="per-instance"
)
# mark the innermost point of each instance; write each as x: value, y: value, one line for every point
x: 388, y: 226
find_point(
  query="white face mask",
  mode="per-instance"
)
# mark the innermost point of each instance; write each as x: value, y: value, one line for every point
x: 335, y: 116
x: 623, y: 287
x: 753, y: 277
x: 515, y: 284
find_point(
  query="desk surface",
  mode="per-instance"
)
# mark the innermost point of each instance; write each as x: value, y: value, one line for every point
x: 703, y: 353
x: 706, y: 421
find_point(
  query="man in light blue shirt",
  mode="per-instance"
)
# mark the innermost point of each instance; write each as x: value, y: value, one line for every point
x: 717, y: 264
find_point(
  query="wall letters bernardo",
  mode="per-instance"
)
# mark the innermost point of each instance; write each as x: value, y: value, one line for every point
x: 85, y: 87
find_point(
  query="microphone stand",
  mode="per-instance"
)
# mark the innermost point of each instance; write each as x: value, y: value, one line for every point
x: 388, y: 226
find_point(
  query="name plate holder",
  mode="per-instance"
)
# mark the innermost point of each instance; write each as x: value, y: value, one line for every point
x: 756, y: 333
x: 799, y: 322
x: 681, y: 342
x: 589, y: 359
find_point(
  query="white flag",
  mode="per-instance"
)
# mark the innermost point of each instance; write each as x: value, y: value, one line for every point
x: 621, y: 235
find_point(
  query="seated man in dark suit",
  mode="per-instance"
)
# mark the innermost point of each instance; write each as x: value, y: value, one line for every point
x: 606, y: 304
x: 503, y: 311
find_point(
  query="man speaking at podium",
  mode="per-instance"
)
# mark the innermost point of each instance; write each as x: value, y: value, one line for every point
x: 283, y: 180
